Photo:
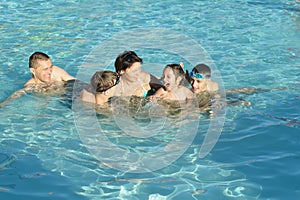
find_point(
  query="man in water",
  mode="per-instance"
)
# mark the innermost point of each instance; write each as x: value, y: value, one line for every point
x: 46, y: 77
x: 44, y: 72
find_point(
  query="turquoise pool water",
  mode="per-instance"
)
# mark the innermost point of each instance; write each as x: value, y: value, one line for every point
x: 252, y: 44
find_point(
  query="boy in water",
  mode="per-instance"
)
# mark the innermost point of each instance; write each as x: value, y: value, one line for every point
x: 203, y: 87
x: 200, y: 81
x: 102, y: 83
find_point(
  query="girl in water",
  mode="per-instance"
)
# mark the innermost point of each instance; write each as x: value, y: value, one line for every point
x: 173, y: 78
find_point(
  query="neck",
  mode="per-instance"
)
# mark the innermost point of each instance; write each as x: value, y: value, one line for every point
x: 38, y: 82
x: 125, y: 79
x: 173, y: 89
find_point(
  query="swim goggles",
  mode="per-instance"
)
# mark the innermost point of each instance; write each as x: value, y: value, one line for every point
x: 117, y: 81
x: 196, y: 75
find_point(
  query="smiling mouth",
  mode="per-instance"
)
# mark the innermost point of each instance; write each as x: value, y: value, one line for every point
x: 167, y: 84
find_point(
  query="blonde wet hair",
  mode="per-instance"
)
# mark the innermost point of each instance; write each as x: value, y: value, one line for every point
x: 104, y: 80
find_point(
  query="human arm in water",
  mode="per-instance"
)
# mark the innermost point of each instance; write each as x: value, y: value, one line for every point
x: 17, y: 94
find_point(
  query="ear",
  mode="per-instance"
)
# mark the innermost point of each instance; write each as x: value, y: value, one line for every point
x: 32, y: 70
x: 178, y: 80
x: 105, y: 92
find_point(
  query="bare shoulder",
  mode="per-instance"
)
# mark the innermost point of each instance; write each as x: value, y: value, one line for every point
x: 87, y: 96
x: 60, y: 74
x: 185, y: 90
x: 213, y: 86
x: 58, y: 70
x: 145, y: 77
x: 188, y: 93
x: 29, y: 82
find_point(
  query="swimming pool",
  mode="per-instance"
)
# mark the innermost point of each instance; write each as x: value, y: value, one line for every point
x: 252, y: 44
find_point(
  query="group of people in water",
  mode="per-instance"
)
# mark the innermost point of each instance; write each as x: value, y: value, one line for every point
x: 128, y: 79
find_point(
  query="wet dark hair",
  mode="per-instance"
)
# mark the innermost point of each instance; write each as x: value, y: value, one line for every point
x: 125, y: 60
x: 35, y: 57
x: 202, y: 69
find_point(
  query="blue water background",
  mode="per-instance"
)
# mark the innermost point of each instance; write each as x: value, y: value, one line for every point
x: 253, y: 44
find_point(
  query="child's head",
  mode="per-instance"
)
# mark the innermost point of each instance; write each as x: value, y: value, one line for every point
x: 197, y: 77
x: 101, y: 81
x: 202, y: 70
x: 173, y: 75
